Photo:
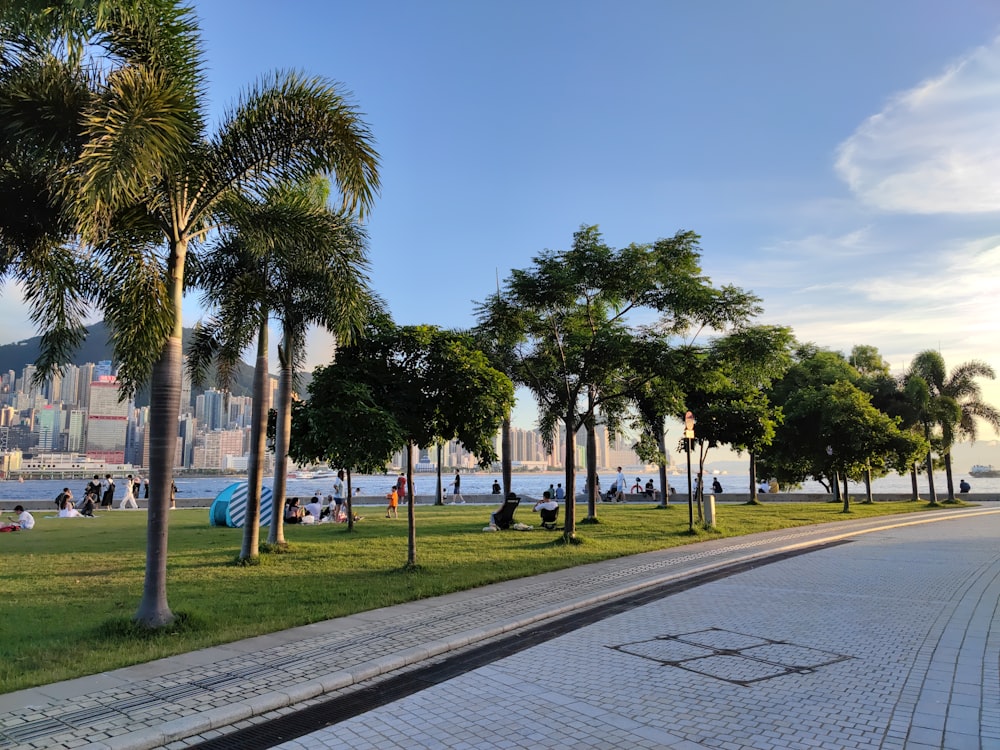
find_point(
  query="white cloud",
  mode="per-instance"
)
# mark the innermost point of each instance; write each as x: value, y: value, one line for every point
x: 934, y: 148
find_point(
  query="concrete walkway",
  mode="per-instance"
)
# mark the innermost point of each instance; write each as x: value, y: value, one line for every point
x: 884, y: 642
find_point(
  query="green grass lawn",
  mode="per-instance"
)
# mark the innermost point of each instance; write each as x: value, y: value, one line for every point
x: 70, y: 586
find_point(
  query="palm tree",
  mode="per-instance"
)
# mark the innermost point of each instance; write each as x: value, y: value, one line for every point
x: 150, y: 177
x: 960, y: 401
x: 287, y: 256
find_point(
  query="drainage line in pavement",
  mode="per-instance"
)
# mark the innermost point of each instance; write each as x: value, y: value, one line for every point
x: 361, y: 700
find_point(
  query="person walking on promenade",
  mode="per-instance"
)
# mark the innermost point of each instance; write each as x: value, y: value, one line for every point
x: 457, y: 494
x: 128, y: 499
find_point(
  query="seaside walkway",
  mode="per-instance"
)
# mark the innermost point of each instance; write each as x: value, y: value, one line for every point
x: 882, y: 636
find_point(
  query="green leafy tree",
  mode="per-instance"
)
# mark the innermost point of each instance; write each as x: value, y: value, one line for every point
x: 150, y: 178
x: 434, y: 384
x: 575, y: 344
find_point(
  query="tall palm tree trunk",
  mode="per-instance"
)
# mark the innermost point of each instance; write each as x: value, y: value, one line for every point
x: 258, y: 438
x: 930, y: 478
x: 165, y: 399
x: 949, y: 477
x: 282, y: 436
x: 164, y: 410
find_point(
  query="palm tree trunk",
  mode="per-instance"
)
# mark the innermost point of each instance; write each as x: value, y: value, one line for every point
x: 164, y: 409
x: 282, y: 437
x: 930, y: 478
x: 258, y: 437
x: 569, y: 528
x: 949, y: 476
x: 411, y: 519
x: 164, y: 406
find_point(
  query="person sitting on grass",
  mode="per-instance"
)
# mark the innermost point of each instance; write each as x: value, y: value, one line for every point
x: 293, y: 513
x: 393, y: 497
x: 25, y: 521
x: 68, y: 511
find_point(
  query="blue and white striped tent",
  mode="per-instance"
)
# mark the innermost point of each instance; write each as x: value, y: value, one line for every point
x: 230, y: 506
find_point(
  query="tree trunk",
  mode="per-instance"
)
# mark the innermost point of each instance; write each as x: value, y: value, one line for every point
x: 835, y: 484
x: 506, y: 462
x: 949, y: 477
x: 411, y: 520
x: 915, y: 492
x: 349, y: 502
x: 930, y: 478
x: 440, y: 485
x: 847, y: 496
x: 868, y: 486
x: 282, y: 436
x: 661, y: 442
x: 753, y: 480
x: 164, y: 409
x: 258, y: 438
x: 592, y: 469
x: 569, y: 528
x: 702, y: 454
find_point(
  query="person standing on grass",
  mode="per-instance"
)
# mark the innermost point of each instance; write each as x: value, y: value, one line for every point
x: 338, y: 492
x: 401, y: 486
x: 456, y: 496
x: 621, y: 484
x: 107, y: 492
x: 393, y: 496
x: 128, y: 499
x: 173, y: 494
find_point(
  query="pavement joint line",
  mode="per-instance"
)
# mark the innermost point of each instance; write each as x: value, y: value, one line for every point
x: 718, y: 554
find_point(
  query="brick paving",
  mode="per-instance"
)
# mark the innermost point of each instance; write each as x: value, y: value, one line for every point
x: 884, y: 642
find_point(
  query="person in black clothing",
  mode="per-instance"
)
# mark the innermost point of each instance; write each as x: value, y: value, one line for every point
x: 964, y: 486
x: 716, y: 486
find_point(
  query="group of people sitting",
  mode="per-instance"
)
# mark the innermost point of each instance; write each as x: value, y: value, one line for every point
x: 317, y: 510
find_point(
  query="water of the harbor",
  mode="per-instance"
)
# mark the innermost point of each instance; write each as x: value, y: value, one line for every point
x: 374, y: 488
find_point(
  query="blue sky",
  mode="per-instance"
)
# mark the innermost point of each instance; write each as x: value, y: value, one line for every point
x: 839, y: 158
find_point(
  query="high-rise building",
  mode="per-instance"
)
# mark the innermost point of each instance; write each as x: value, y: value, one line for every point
x: 48, y: 427
x: 76, y: 438
x: 107, y: 421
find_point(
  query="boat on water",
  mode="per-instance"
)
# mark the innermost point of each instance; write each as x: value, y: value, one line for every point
x: 984, y: 471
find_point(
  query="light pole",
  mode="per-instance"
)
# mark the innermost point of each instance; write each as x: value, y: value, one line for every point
x: 689, y: 421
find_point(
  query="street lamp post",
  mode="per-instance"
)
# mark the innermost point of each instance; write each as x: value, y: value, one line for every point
x: 689, y: 421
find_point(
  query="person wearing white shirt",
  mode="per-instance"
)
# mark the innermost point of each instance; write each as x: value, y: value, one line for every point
x: 622, y: 485
x: 24, y: 519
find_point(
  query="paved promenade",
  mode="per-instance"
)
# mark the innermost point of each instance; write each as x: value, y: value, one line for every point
x: 883, y: 639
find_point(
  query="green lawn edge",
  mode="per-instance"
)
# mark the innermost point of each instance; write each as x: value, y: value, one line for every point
x: 71, y: 586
